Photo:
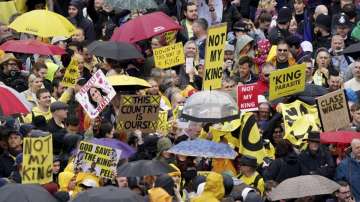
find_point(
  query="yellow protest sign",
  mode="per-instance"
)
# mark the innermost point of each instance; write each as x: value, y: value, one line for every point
x: 71, y: 74
x: 169, y: 56
x: 287, y: 81
x: 170, y: 37
x: 7, y: 9
x: 214, y: 56
x: 97, y: 159
x: 299, y: 119
x: 163, y: 124
x: 37, y: 160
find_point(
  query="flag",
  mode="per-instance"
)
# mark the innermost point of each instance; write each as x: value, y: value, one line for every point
x: 307, y: 32
x: 299, y: 119
x: 250, y: 140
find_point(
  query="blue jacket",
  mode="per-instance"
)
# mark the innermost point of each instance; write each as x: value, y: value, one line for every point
x: 349, y: 171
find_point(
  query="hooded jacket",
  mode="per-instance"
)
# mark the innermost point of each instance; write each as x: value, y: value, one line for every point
x: 214, y: 189
x: 158, y: 194
x: 80, y: 21
x: 349, y: 171
x: 283, y: 168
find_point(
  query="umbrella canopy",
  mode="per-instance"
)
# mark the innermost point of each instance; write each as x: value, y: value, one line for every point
x: 12, y: 102
x: 203, y: 148
x: 312, y: 90
x: 31, y: 47
x: 25, y: 192
x: 210, y: 106
x: 333, y: 137
x: 126, y: 150
x: 144, y: 168
x: 108, y: 194
x: 43, y: 23
x: 144, y: 27
x: 353, y: 50
x: 132, y: 4
x: 302, y: 186
x: 125, y: 82
x: 114, y: 50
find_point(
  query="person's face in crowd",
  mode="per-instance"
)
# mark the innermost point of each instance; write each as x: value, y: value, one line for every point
x: 95, y: 95
x: 228, y: 85
x: 356, y: 116
x: 282, y: 53
x: 356, y: 70
x: 155, y: 43
x: 309, y: 69
x: 81, y: 62
x: 56, y: 167
x: 293, y: 26
x: 61, y: 44
x: 98, y: 4
x: 42, y: 73
x: 87, y: 56
x: 191, y: 13
x: 277, y: 135
x: 73, y: 11
x: 36, y: 84
x: 334, y: 83
x: 122, y: 182
x: 179, y: 100
x: 14, y: 141
x: 342, y: 31
x: 283, y: 26
x: 154, y: 90
x: 190, y: 50
x: 264, y: 112
x: 343, y: 194
x: 59, y: 73
x: 193, y: 129
x: 60, y: 89
x: 228, y: 55
x: 299, y: 7
x: 196, y: 29
x: 244, y: 70
x: 313, y: 146
x: 264, y: 25
x: 61, y: 114
x: 337, y: 43
x: 45, y: 99
x: 323, y: 59
x: 11, y: 65
x: 266, y: 72
x: 78, y: 35
x: 355, y: 145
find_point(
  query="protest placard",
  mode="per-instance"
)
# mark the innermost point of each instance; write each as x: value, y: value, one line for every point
x: 163, y: 124
x: 95, y: 95
x: 247, y: 96
x: 214, y: 56
x: 333, y: 110
x: 287, y: 81
x: 71, y: 74
x: 139, y: 112
x: 169, y: 56
x: 170, y: 37
x: 97, y: 159
x: 37, y: 161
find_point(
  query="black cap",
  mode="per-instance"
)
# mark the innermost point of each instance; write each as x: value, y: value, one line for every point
x: 323, y: 21
x: 248, y: 161
x: 240, y: 26
x: 58, y: 106
x: 284, y: 15
x: 293, y: 40
x: 342, y: 20
x: 313, y: 136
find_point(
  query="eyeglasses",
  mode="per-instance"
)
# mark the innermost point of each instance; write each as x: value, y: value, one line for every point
x: 282, y: 50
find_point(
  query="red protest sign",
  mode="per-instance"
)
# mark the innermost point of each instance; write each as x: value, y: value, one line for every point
x: 247, y: 96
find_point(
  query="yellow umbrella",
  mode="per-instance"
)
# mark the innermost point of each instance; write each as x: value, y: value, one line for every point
x: 43, y: 23
x: 125, y: 82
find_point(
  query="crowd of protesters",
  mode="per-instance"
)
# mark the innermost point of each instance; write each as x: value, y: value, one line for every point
x: 310, y: 32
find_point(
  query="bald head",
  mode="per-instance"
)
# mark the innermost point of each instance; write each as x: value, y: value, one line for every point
x: 320, y: 9
x: 355, y: 146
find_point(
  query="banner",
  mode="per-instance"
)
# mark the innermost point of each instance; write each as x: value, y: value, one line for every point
x: 37, y: 160
x: 333, y: 110
x: 170, y: 37
x: 71, y: 74
x: 139, y: 112
x: 169, y: 56
x: 162, y: 123
x: 95, y: 95
x: 97, y: 159
x: 299, y: 119
x: 287, y: 81
x: 214, y: 56
x: 247, y: 97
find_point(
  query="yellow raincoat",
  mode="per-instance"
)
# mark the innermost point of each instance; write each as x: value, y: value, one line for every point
x: 158, y: 194
x: 214, y: 189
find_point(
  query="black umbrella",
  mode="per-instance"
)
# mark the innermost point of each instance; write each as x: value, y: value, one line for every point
x: 353, y: 50
x: 108, y: 194
x: 25, y: 193
x: 114, y: 50
x: 144, y: 168
x: 312, y: 90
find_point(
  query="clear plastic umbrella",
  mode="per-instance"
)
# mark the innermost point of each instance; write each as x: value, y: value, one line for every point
x: 210, y: 106
x: 132, y: 4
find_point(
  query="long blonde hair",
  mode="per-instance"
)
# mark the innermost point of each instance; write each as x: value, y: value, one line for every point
x: 196, y: 58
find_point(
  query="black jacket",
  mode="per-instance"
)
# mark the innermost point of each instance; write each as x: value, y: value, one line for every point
x: 275, y: 35
x: 320, y: 163
x: 6, y: 164
x: 283, y: 168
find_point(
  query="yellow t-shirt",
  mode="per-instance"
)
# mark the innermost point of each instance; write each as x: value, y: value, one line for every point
x: 251, y: 181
